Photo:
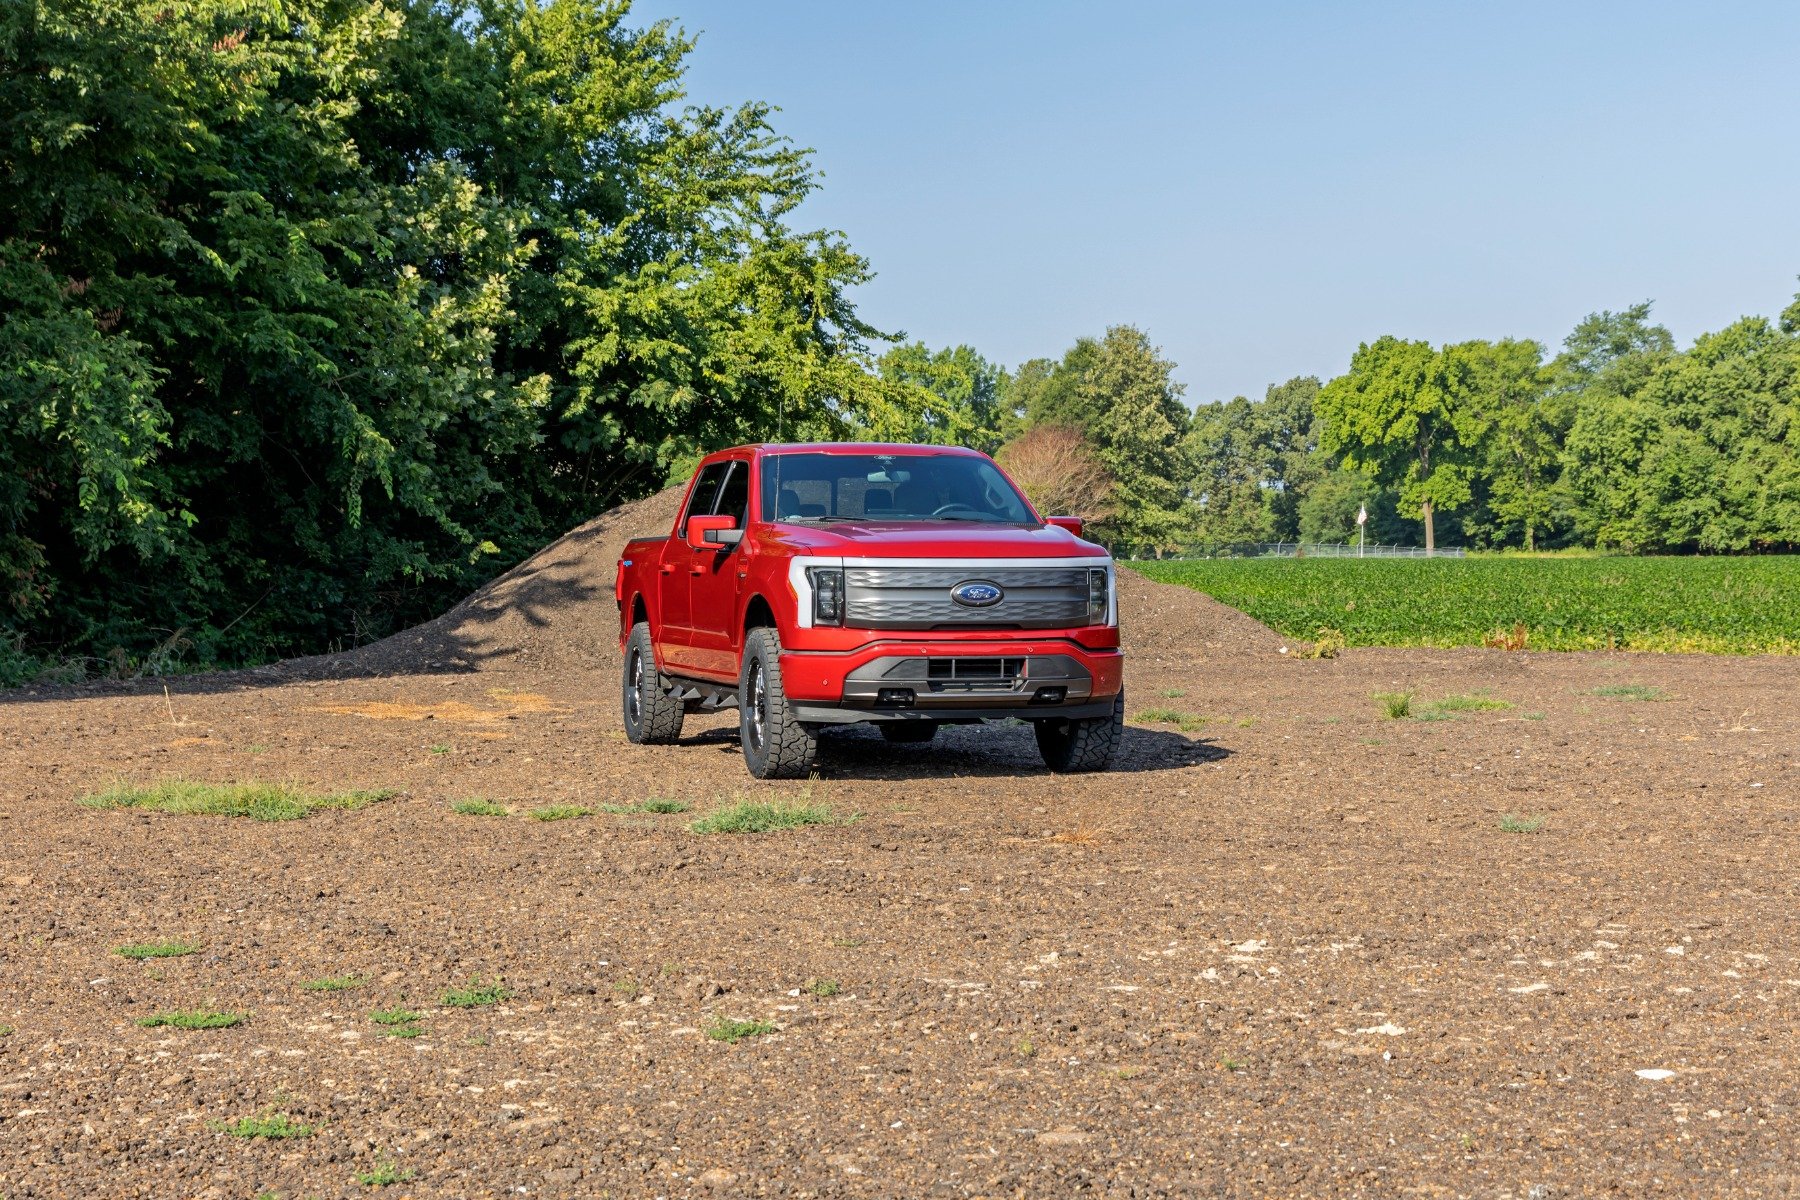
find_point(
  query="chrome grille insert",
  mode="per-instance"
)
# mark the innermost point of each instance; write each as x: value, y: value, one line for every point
x: 919, y: 597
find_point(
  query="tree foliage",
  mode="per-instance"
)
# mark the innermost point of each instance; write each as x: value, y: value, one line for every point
x: 313, y: 312
x: 944, y: 397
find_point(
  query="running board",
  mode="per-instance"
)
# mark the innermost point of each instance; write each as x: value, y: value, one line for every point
x: 712, y: 697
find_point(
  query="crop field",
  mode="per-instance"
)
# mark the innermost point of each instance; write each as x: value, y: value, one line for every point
x: 1714, y: 605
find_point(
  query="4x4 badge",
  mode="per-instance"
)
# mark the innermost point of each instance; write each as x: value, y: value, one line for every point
x: 977, y: 593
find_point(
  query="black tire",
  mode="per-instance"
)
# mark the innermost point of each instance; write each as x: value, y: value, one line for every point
x: 908, y: 732
x: 652, y: 713
x: 1084, y: 744
x: 776, y: 746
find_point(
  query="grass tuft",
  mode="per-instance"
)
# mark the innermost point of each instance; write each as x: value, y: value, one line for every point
x: 143, y: 950
x: 476, y: 995
x: 192, y: 1018
x: 655, y: 804
x: 478, y: 808
x: 334, y: 983
x: 385, y: 1173
x: 1629, y: 691
x: 724, y: 1029
x: 823, y: 988
x: 1186, y: 722
x: 258, y: 801
x: 1395, y: 704
x: 1461, y: 704
x: 758, y: 816
x: 265, y: 1125
x: 560, y: 812
x: 395, y: 1016
x: 1513, y: 823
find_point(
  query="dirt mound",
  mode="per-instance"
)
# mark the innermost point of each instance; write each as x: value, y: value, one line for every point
x: 1162, y: 622
x: 554, y: 612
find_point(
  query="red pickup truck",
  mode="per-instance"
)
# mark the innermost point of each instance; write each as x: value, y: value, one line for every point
x: 910, y: 586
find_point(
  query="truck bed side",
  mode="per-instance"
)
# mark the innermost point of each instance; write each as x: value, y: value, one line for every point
x: 637, y: 585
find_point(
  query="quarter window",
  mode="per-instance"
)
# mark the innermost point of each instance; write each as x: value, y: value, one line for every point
x: 734, y: 496
x: 706, y: 491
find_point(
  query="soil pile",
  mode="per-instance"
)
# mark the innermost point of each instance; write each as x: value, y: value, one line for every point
x: 552, y: 612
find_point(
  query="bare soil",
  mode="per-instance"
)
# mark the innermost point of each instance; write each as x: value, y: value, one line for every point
x: 1288, y: 951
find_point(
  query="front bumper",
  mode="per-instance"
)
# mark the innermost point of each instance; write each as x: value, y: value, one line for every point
x: 937, y: 680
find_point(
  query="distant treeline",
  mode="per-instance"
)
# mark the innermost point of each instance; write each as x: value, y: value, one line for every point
x: 1619, y: 442
x: 316, y: 313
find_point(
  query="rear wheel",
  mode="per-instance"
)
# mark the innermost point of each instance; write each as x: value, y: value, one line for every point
x: 652, y: 714
x: 1083, y: 744
x: 908, y: 731
x: 776, y: 746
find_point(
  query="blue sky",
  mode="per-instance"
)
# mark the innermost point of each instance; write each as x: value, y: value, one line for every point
x: 1263, y: 185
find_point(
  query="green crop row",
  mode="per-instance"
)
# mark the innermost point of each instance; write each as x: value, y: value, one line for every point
x: 1715, y: 605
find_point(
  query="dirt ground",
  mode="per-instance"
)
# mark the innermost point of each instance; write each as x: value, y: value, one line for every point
x: 1288, y: 951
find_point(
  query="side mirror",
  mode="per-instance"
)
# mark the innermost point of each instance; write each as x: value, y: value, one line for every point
x: 1073, y: 524
x: 710, y: 533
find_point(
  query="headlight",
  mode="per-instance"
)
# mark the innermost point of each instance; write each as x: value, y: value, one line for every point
x: 828, y: 594
x: 1099, y: 610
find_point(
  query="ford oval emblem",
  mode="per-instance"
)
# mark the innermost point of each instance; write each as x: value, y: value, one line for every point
x: 977, y: 593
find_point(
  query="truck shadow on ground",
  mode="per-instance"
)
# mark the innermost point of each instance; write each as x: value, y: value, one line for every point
x: 860, y: 752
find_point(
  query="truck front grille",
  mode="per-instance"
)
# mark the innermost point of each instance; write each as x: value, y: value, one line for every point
x: 919, y: 598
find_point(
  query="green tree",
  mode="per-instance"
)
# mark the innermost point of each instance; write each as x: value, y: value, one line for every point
x: 1700, y: 455
x: 1620, y: 347
x: 1138, y: 428
x: 1396, y: 416
x: 1231, y: 467
x: 949, y: 397
x: 1287, y: 425
x: 1048, y: 392
x: 1505, y: 385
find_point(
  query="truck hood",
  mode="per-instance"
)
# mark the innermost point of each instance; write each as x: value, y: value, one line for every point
x: 929, y: 539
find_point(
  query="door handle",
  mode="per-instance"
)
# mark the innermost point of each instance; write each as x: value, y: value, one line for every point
x: 668, y: 569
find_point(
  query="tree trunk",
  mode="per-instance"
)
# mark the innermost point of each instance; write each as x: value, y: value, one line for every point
x: 1530, y: 538
x: 1430, y: 529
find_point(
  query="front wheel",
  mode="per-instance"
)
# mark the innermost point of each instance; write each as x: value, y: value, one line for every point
x: 652, y: 714
x: 1083, y: 744
x: 776, y: 746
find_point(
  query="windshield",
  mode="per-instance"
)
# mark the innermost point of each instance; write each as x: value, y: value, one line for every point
x: 888, y: 487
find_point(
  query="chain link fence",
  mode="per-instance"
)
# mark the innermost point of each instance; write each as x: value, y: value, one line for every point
x: 1283, y: 550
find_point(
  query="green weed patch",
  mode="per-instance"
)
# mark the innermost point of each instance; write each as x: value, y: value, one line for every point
x: 258, y: 801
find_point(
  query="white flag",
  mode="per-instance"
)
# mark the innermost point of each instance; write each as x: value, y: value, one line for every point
x: 1362, y: 515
